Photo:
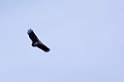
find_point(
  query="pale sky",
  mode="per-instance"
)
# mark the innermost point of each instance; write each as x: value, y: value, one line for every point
x: 86, y: 38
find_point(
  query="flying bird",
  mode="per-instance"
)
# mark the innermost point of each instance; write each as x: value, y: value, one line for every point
x: 36, y: 42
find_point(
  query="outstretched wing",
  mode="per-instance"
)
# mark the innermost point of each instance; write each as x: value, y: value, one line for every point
x: 36, y: 41
x: 43, y: 47
x: 32, y: 36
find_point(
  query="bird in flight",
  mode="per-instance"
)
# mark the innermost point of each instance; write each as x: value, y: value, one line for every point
x: 36, y: 42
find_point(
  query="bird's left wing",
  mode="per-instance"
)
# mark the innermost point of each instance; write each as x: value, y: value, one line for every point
x: 32, y: 36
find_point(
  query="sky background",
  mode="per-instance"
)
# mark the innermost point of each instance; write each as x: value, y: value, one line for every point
x: 86, y: 38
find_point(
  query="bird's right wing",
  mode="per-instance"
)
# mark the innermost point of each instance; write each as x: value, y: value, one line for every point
x: 43, y: 47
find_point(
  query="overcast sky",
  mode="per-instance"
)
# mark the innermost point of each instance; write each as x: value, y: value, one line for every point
x: 86, y: 38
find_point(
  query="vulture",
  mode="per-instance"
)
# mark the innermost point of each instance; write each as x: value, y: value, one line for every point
x: 36, y: 42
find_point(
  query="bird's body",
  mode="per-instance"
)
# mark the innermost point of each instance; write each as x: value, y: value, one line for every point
x: 36, y: 42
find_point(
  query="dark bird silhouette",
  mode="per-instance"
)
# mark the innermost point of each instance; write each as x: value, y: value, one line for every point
x: 36, y: 42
